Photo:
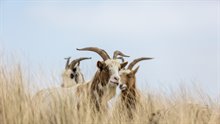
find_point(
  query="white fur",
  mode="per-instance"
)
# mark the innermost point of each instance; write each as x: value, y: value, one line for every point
x: 67, y: 81
x: 113, y: 66
x: 125, y: 71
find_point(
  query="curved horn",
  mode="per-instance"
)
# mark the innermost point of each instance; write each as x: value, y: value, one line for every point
x: 122, y: 59
x: 67, y: 62
x: 131, y: 65
x: 74, y: 62
x: 99, y: 51
x: 116, y: 53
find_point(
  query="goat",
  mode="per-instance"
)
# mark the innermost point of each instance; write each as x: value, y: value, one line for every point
x: 72, y: 74
x: 129, y: 93
x: 98, y: 91
x: 103, y: 85
x: 70, y: 77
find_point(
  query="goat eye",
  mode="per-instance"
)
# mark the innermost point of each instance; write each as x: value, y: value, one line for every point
x: 74, y: 69
x: 119, y: 69
x: 128, y: 75
x: 71, y: 76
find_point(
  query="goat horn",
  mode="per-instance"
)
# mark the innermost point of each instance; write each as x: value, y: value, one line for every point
x: 122, y: 59
x: 131, y: 65
x: 116, y: 53
x: 67, y: 62
x: 74, y: 62
x: 99, y: 51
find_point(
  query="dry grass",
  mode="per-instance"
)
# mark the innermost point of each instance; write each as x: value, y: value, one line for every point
x: 17, y: 107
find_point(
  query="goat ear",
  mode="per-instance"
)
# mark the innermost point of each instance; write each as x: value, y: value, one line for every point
x: 124, y: 64
x: 100, y: 65
x: 136, y: 69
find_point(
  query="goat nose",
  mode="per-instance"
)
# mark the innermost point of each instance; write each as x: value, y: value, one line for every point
x: 120, y: 86
x: 123, y: 87
x: 116, y: 78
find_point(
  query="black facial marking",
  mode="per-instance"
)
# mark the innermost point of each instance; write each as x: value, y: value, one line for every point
x: 74, y: 69
x: 71, y: 76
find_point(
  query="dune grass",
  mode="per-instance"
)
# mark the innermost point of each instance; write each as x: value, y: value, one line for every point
x: 183, y: 107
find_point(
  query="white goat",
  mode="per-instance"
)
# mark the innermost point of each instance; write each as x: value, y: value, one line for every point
x: 72, y: 74
x: 70, y: 77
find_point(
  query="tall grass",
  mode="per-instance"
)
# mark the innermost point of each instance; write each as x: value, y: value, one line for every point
x: 183, y: 107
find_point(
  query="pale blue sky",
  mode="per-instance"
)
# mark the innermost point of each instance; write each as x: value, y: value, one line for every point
x: 182, y: 36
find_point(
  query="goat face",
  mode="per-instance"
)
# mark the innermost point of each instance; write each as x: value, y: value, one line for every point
x: 128, y: 79
x: 128, y: 75
x: 72, y: 76
x: 110, y: 71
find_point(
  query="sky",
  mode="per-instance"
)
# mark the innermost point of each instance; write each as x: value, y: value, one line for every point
x: 181, y: 35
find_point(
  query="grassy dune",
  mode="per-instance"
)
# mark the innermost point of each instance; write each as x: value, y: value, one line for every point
x: 183, y: 107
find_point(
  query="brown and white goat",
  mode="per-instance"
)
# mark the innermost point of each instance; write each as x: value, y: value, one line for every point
x: 129, y: 93
x: 72, y: 74
x: 102, y: 87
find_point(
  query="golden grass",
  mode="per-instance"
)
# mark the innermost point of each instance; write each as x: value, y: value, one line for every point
x: 17, y: 107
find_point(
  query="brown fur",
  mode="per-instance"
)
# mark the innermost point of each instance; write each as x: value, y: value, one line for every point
x: 129, y: 97
x: 101, y: 77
